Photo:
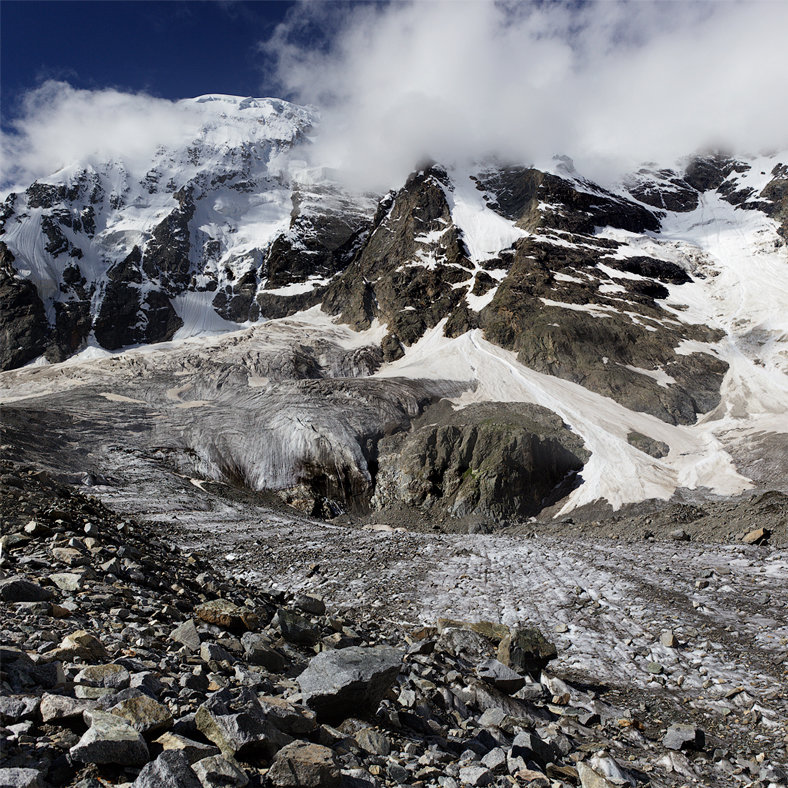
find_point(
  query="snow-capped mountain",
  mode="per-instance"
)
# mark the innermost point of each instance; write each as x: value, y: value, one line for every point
x: 118, y: 260
x: 597, y: 344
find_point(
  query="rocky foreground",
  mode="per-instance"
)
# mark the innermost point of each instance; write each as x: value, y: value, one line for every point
x: 128, y: 661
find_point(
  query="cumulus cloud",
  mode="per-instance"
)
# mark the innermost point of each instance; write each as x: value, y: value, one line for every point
x: 60, y: 125
x: 612, y: 84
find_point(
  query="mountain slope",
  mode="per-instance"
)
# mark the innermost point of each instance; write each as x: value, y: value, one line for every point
x: 649, y: 316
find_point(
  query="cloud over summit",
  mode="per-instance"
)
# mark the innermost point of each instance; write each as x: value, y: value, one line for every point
x: 610, y: 84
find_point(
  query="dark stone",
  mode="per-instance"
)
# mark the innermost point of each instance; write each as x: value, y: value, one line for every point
x: 18, y: 589
x: 526, y: 650
x: 170, y: 770
x: 349, y: 681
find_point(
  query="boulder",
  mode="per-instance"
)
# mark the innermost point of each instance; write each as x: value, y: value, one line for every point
x: 295, y: 720
x: 170, y: 770
x: 684, y: 737
x: 373, y: 741
x: 475, y: 775
x: 217, y: 772
x: 112, y: 676
x: 240, y: 730
x: 61, y: 708
x: 110, y: 739
x: 193, y: 750
x: 214, y: 652
x: 80, y: 644
x: 757, y: 536
x: 22, y: 672
x: 259, y: 651
x: 349, y: 681
x: 589, y: 778
x: 304, y: 765
x: 227, y: 615
x: 462, y: 642
x: 18, y: 589
x: 144, y: 714
x: 526, y: 650
x: 296, y: 628
x: 20, y: 778
x: 186, y: 634
x: 500, y: 676
x: 15, y: 708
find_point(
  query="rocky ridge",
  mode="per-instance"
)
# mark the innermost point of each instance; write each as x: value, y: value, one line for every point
x: 135, y: 663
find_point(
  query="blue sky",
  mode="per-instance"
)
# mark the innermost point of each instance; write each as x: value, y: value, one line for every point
x: 173, y: 49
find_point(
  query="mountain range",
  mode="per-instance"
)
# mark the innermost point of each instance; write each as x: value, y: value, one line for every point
x: 488, y: 342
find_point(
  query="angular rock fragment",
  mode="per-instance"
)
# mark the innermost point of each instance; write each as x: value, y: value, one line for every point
x: 217, y: 772
x: 15, y: 708
x: 186, y: 634
x: 227, y: 615
x: 80, y: 644
x: 20, y: 778
x: 757, y: 536
x: 259, y: 651
x: 145, y: 715
x: 110, y: 739
x: 500, y: 676
x: 684, y: 737
x: 296, y: 721
x: 526, y: 650
x: 193, y: 750
x: 240, y: 730
x: 296, y: 628
x: 18, y: 589
x: 112, y: 676
x: 61, y: 708
x: 349, y: 681
x: 170, y: 770
x: 305, y: 765
x: 475, y: 775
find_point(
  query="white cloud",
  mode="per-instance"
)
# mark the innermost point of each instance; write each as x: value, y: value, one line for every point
x: 610, y: 84
x: 60, y: 125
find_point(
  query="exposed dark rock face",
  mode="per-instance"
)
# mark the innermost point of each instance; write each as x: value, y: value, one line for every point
x: 492, y: 460
x: 24, y: 330
x: 127, y: 316
x: 776, y: 193
x: 167, y: 255
x: 516, y: 193
x: 595, y: 341
x: 388, y: 278
x: 664, y: 190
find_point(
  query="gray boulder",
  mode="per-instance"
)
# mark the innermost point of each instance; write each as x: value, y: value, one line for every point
x: 296, y: 628
x: 218, y: 772
x: 349, y: 681
x: 20, y: 778
x: 259, y: 651
x: 305, y: 765
x: 684, y: 737
x: 110, y: 740
x: 15, y: 708
x: 241, y: 729
x: 170, y: 770
x: 186, y: 634
x: 500, y: 676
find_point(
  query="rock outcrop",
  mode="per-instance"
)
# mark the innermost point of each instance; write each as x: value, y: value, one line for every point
x: 486, y: 461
